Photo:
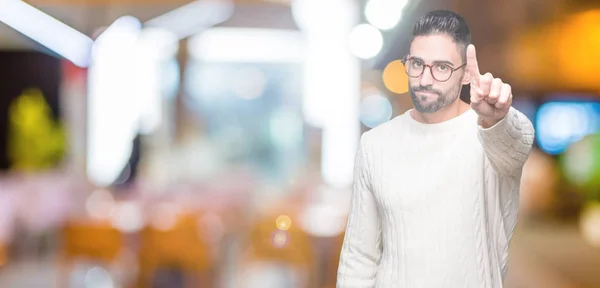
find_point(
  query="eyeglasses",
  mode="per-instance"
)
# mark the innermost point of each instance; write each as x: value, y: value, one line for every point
x: 439, y: 71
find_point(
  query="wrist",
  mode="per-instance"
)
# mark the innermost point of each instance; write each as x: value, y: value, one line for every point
x: 486, y: 122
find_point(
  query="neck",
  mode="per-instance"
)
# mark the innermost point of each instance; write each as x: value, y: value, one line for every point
x: 453, y: 110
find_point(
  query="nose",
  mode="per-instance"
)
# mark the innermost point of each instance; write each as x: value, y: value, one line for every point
x: 426, y: 77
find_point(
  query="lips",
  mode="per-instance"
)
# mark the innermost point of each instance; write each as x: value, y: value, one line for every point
x: 427, y: 93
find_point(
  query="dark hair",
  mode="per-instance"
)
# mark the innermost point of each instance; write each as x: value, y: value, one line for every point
x: 444, y: 22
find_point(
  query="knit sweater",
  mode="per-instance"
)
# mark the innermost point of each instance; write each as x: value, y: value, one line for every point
x: 434, y: 205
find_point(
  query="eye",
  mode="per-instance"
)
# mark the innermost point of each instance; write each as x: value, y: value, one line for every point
x: 416, y: 63
x: 443, y: 67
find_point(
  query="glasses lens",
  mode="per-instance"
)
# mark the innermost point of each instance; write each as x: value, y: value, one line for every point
x: 441, y: 72
x: 414, y: 68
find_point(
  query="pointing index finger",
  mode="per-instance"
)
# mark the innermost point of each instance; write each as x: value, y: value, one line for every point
x: 472, y: 64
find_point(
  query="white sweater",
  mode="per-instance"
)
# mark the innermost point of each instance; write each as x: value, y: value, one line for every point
x: 434, y: 205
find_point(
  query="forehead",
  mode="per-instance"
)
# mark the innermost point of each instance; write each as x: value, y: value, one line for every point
x: 435, y: 47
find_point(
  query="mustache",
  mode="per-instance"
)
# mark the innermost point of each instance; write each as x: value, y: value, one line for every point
x: 427, y: 89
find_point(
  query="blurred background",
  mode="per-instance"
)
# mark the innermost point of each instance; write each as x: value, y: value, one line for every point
x: 148, y: 143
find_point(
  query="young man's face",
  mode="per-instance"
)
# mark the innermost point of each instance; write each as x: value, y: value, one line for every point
x: 432, y: 92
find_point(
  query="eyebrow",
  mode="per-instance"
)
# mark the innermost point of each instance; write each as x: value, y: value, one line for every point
x: 446, y: 62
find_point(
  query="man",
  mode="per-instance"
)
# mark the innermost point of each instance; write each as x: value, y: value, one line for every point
x: 436, y: 189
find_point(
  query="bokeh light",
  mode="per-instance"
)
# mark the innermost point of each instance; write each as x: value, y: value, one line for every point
x: 164, y: 216
x: 365, y: 41
x: 395, y: 78
x: 590, y: 224
x: 384, y: 14
x: 100, y: 204
x: 280, y: 239
x: 98, y: 277
x: 581, y: 164
x: 128, y: 217
x: 375, y: 110
x: 578, y: 162
x: 559, y: 124
x: 283, y: 222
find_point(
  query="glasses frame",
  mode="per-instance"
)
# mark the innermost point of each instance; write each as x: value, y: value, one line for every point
x: 430, y: 66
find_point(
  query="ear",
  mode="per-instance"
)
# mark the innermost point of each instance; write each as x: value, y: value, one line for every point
x: 466, y: 79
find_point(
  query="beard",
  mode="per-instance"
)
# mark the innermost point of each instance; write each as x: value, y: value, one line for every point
x: 443, y: 100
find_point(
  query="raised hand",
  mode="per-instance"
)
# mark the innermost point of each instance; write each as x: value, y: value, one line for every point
x: 490, y: 97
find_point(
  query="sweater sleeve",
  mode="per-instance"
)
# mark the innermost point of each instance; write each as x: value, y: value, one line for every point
x: 508, y: 143
x: 361, y: 250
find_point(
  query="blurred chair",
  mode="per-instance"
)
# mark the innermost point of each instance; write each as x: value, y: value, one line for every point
x: 94, y: 241
x: 278, y: 253
x: 179, y: 246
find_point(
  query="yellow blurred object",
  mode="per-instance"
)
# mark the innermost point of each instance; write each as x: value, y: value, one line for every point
x: 96, y: 241
x: 292, y: 247
x: 3, y: 256
x: 559, y: 56
x: 35, y: 141
x: 269, y: 243
x: 395, y: 78
x: 180, y: 245
x: 577, y: 43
